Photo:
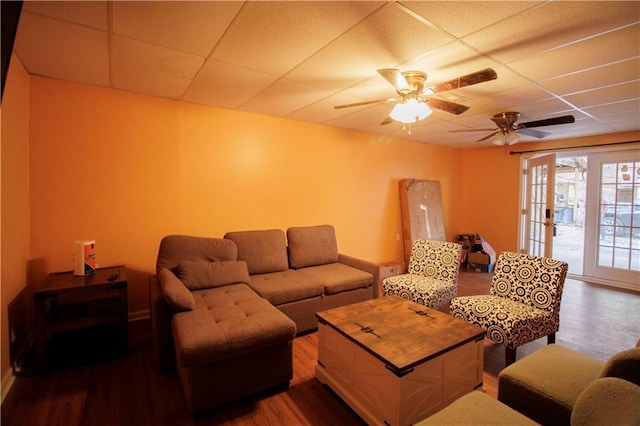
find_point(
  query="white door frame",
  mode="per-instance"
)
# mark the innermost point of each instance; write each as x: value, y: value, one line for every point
x: 537, y: 216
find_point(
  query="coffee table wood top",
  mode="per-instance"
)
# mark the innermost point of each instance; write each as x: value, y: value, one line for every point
x: 399, y: 332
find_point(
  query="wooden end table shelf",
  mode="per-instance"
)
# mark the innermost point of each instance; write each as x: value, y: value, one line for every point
x: 67, y: 302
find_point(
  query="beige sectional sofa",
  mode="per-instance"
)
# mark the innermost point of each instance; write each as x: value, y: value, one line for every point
x: 225, y: 311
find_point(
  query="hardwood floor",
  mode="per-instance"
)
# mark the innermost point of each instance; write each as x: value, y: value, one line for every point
x: 129, y: 390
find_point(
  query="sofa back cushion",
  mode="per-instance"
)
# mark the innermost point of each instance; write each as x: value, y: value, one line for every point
x: 177, y: 248
x: 312, y: 246
x: 264, y: 250
x: 198, y: 275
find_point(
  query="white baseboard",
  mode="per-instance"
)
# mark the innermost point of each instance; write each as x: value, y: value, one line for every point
x: 139, y: 315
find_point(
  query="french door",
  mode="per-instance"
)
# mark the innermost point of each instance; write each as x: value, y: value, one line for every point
x: 609, y: 245
x: 613, y: 211
x: 538, y: 208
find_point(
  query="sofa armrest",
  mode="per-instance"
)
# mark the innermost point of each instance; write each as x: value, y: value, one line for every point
x: 161, y: 334
x: 364, y: 265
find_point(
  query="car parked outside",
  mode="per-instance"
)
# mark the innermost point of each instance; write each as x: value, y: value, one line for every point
x: 621, y: 219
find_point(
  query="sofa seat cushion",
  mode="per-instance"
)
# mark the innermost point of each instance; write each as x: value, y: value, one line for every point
x: 286, y: 286
x: 228, y: 322
x: 338, y: 277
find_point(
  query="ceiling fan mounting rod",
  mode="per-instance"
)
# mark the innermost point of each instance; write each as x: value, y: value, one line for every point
x: 415, y: 81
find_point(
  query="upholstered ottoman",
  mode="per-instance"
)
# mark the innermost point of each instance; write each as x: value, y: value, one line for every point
x: 476, y: 408
x: 235, y: 343
x: 546, y: 384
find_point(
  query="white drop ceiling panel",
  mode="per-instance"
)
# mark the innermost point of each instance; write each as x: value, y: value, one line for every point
x: 89, y: 13
x: 227, y: 86
x: 467, y: 17
x: 193, y: 27
x: 297, y: 96
x: 275, y: 37
x: 151, y: 69
x: 53, y: 49
x: 607, y: 48
x: 298, y: 60
x: 602, y: 76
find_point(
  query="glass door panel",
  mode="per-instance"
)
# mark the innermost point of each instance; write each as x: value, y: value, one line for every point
x: 538, y: 209
x: 614, y: 182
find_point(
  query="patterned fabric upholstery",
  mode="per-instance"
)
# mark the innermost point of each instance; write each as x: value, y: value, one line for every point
x: 432, y: 278
x: 524, y: 301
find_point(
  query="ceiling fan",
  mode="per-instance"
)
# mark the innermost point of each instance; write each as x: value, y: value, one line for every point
x: 508, y: 128
x: 414, y: 101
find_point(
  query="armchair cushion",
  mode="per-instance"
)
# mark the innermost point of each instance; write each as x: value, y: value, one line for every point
x: 198, y: 275
x: 426, y: 291
x: 436, y: 259
x: 175, y: 293
x: 490, y: 312
x: 530, y: 280
x: 312, y: 246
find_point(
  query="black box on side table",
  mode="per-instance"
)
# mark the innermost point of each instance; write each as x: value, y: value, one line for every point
x: 67, y: 304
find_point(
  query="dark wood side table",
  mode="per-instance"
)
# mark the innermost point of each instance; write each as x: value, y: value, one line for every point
x: 66, y: 302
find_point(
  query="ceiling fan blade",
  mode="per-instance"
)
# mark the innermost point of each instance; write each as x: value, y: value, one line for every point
x: 472, y: 130
x: 487, y: 74
x: 447, y: 106
x: 377, y: 101
x: 535, y: 133
x: 565, y: 119
x: 395, y: 77
x: 386, y: 121
x: 490, y: 135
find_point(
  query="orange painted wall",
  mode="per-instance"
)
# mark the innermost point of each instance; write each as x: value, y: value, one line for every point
x: 14, y: 148
x: 490, y: 196
x: 127, y: 169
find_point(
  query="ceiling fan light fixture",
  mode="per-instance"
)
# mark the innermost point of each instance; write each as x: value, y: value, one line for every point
x: 499, y: 139
x: 511, y: 138
x: 410, y: 111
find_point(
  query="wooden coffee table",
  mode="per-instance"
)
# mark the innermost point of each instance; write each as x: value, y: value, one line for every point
x: 396, y: 362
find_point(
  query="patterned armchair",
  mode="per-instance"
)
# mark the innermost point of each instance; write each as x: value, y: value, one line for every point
x: 523, y: 304
x: 432, y: 278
